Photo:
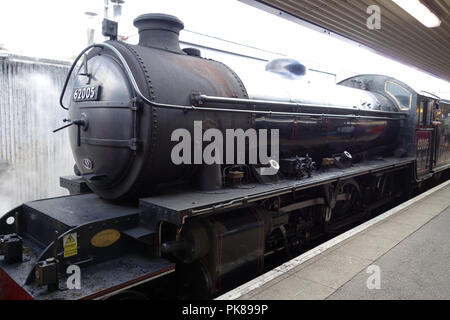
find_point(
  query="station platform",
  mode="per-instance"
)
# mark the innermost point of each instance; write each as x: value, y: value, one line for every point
x: 403, y: 253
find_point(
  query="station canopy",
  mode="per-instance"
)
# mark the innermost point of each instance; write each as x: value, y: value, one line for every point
x: 401, y: 36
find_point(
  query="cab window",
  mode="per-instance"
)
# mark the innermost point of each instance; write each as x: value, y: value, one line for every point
x: 401, y: 95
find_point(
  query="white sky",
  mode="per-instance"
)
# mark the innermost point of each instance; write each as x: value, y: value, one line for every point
x: 56, y: 29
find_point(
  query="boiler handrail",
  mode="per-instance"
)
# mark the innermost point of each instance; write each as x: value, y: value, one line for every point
x: 196, y: 108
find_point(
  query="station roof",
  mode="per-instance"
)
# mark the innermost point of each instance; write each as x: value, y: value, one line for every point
x: 401, y: 36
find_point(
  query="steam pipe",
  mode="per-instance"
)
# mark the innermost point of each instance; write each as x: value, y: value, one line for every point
x: 201, y: 99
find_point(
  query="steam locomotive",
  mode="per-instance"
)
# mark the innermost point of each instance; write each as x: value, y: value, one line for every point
x: 137, y: 223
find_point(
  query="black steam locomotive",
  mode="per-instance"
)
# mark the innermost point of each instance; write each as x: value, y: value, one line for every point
x: 137, y: 223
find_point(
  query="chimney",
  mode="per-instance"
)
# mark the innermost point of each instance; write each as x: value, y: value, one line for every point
x: 159, y: 30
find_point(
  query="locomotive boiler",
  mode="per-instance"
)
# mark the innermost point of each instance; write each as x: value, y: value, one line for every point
x: 139, y: 225
x: 121, y: 140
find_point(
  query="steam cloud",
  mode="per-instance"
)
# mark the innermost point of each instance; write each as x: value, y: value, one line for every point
x: 32, y: 158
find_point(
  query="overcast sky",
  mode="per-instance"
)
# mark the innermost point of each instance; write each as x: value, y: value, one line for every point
x: 57, y: 29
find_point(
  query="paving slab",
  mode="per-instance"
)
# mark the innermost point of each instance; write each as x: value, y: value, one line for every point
x: 392, y: 230
x: 417, y: 268
x: 334, y: 269
x: 367, y: 246
x: 295, y: 288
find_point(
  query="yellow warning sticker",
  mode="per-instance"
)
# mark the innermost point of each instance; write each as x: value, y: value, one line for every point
x: 70, y: 242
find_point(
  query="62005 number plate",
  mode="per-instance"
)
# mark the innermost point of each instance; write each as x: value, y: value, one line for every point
x: 86, y: 94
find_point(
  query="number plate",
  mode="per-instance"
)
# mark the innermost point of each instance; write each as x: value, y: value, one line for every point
x: 86, y: 94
